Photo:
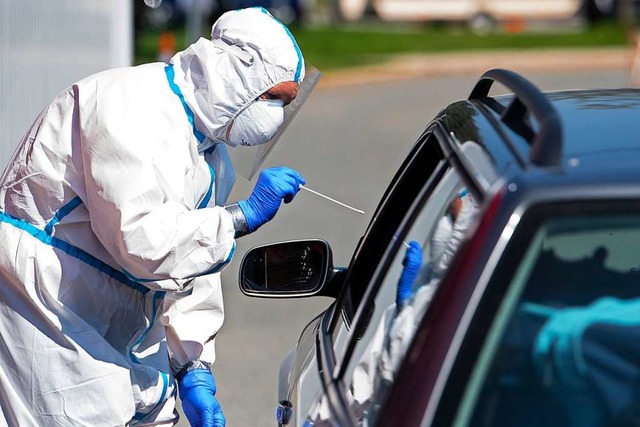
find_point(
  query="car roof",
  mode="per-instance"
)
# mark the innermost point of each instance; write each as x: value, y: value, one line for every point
x: 598, y: 121
x: 578, y: 132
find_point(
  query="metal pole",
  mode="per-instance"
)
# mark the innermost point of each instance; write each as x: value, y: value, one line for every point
x: 194, y: 21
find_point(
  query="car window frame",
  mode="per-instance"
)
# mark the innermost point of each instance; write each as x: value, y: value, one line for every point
x: 391, y: 246
x: 421, y: 223
x: 331, y: 368
x: 448, y: 160
x: 440, y: 324
x: 337, y: 313
x: 329, y: 365
x: 377, y: 231
x: 451, y: 157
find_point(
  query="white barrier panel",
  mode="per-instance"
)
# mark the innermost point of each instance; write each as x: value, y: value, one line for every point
x: 46, y: 45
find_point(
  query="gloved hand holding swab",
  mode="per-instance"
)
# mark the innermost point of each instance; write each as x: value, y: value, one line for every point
x: 333, y: 200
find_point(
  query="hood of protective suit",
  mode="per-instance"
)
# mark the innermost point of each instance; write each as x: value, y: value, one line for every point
x: 249, y: 53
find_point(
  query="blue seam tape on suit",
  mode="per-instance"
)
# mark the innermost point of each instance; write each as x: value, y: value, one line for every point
x: 296, y: 78
x: 215, y: 269
x: 139, y: 416
x: 207, y: 197
x: 191, y: 117
x: 79, y: 254
x: 158, y: 296
x: 219, y: 267
x: 175, y: 89
x: 62, y: 212
x: 72, y: 251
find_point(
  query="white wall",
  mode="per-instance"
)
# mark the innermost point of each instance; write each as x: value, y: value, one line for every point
x: 46, y: 45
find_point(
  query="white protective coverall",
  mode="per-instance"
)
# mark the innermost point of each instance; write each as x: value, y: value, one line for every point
x: 110, y: 237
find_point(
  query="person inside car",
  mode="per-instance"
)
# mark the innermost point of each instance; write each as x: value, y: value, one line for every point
x: 415, y: 287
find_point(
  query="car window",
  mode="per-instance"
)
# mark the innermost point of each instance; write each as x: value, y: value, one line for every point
x: 423, y: 168
x: 438, y: 229
x: 563, y: 348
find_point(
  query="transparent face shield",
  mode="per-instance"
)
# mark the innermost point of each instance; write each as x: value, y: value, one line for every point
x: 247, y: 160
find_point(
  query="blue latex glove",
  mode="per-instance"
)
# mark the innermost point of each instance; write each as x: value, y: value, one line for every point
x: 412, y: 263
x: 197, y: 389
x: 274, y: 185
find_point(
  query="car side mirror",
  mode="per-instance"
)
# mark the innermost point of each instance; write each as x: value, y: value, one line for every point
x: 294, y: 269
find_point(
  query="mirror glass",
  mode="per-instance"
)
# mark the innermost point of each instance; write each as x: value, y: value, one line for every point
x: 285, y: 268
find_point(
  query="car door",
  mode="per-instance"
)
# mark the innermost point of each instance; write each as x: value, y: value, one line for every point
x: 311, y: 382
x: 545, y: 323
x: 352, y: 341
x: 311, y: 379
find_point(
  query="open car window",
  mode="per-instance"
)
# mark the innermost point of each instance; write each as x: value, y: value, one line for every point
x: 423, y: 168
x: 563, y: 348
x: 437, y: 228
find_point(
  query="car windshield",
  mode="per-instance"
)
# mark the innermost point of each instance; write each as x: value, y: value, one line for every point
x: 563, y: 348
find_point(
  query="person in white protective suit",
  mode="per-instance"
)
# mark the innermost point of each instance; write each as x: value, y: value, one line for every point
x: 113, y: 230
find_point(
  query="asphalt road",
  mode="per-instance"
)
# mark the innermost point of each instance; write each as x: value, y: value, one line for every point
x: 348, y: 143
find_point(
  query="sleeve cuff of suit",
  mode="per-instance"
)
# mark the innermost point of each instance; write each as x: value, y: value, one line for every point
x: 190, y: 366
x: 239, y: 221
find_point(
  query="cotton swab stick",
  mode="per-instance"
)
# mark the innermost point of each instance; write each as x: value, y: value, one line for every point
x: 333, y: 200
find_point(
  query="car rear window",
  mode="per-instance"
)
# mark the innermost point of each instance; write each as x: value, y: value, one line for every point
x: 564, y: 347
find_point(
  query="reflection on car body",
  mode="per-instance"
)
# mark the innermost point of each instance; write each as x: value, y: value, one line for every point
x: 527, y: 305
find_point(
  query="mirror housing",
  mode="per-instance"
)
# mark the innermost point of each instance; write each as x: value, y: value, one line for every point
x: 292, y: 269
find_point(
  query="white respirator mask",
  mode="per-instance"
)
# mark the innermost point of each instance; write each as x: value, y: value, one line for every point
x: 257, y: 123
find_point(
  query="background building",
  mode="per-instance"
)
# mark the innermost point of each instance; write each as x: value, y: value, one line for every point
x: 47, y: 45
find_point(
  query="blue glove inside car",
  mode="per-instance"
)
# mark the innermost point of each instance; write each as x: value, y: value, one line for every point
x: 559, y: 342
x: 412, y: 263
x: 560, y: 347
x: 274, y: 185
x: 197, y: 389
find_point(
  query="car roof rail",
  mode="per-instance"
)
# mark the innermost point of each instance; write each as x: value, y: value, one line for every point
x: 546, y: 143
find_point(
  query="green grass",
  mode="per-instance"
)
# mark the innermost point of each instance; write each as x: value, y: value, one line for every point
x: 338, y: 47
